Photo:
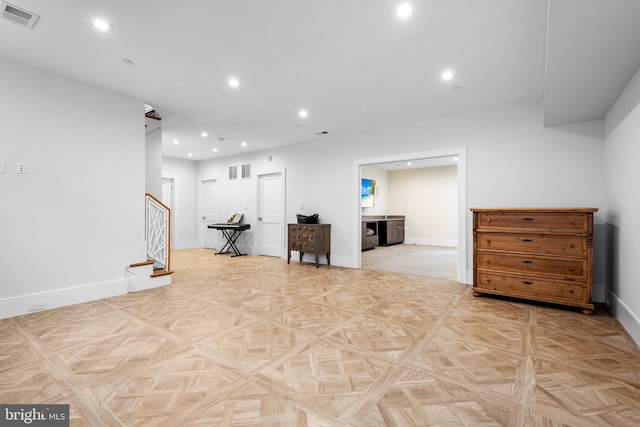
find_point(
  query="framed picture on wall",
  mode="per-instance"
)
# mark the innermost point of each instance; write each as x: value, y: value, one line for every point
x: 368, y: 192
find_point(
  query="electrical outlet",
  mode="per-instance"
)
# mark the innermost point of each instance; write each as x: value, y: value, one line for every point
x: 21, y: 167
x: 37, y: 306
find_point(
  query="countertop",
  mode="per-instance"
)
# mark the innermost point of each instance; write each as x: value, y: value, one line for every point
x: 367, y: 218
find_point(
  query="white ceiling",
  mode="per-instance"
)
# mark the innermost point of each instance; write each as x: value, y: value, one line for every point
x: 352, y: 64
x: 593, y: 51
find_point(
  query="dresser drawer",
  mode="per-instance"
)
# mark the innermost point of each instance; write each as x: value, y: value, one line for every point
x: 303, y: 228
x: 531, y: 287
x: 534, y: 243
x: 302, y: 245
x: 304, y: 235
x: 551, y: 222
x: 569, y: 268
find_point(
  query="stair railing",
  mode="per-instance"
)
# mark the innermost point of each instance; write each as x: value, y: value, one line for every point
x: 158, y: 233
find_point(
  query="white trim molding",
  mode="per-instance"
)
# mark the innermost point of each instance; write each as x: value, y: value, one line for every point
x: 461, y: 154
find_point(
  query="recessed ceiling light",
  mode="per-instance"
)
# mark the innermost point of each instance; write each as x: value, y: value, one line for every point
x: 233, y: 82
x: 204, y: 134
x: 447, y: 75
x: 215, y: 150
x: 404, y: 10
x: 175, y: 141
x: 455, y: 159
x: 303, y: 113
x: 408, y: 163
x: 244, y: 144
x: 102, y: 25
x: 190, y: 154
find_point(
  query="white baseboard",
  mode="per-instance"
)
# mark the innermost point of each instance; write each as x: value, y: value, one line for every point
x: 469, y: 277
x: 19, y: 305
x: 195, y: 244
x: 336, y: 261
x: 139, y: 278
x: 430, y: 242
x: 629, y: 320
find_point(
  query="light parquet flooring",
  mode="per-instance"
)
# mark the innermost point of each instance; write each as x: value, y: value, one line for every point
x: 252, y: 341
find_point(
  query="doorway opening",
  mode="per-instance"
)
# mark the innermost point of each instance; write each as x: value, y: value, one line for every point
x: 444, y: 254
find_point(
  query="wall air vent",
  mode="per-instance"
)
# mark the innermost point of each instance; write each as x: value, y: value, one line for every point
x: 18, y: 15
x: 246, y: 171
x: 233, y: 172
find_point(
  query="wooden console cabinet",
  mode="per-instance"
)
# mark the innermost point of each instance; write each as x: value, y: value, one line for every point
x: 534, y: 253
x: 311, y: 238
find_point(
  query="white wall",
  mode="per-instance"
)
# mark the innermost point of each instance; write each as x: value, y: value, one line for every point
x: 185, y: 201
x: 427, y: 197
x: 71, y: 225
x: 622, y: 176
x: 153, y: 163
x: 512, y: 160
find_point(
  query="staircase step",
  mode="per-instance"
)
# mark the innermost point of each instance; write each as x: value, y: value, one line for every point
x: 159, y: 273
x: 140, y: 264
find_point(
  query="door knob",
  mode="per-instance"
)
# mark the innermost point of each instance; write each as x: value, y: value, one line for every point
x: 260, y: 219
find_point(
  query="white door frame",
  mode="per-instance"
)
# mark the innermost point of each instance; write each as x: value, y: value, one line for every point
x: 461, y: 153
x: 259, y: 174
x: 201, y: 201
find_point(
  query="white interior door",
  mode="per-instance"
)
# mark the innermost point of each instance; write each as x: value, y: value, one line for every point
x: 271, y: 227
x: 210, y: 208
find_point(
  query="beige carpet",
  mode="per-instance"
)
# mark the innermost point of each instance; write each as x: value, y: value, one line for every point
x: 438, y: 262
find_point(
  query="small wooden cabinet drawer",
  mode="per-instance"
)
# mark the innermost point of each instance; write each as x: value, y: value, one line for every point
x: 533, y: 243
x: 303, y: 228
x: 534, y: 221
x: 301, y: 245
x: 569, y: 268
x: 532, y: 287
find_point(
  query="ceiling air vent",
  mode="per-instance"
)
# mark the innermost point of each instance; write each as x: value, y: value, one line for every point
x: 18, y: 15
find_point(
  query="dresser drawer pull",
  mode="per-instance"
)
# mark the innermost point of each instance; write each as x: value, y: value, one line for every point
x: 527, y: 262
x: 527, y: 240
x: 526, y: 282
x: 527, y: 219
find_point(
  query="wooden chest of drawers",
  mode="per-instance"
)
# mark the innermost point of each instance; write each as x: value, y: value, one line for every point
x: 311, y: 238
x: 537, y: 254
